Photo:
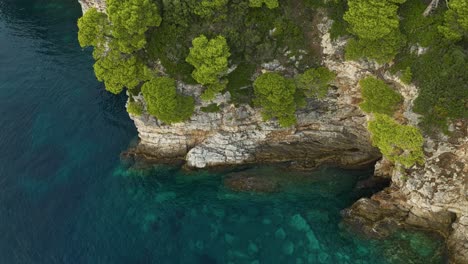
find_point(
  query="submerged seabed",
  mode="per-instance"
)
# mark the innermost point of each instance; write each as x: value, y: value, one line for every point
x: 65, y: 198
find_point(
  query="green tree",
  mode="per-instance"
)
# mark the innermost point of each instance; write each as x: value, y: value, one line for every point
x: 378, y: 97
x: 130, y: 20
x: 164, y: 103
x: 92, y: 27
x: 398, y: 143
x: 118, y: 70
x: 372, y: 19
x: 178, y: 12
x: 210, y: 59
x: 211, y: 9
x: 376, y: 25
x: 315, y: 82
x: 381, y: 50
x: 269, y: 3
x: 456, y: 20
x: 276, y: 95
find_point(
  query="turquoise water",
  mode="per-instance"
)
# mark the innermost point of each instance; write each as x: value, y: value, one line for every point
x: 66, y: 198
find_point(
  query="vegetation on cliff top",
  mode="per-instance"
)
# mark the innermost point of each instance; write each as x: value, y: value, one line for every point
x: 376, y: 26
x: 210, y: 59
x: 164, y: 103
x: 275, y: 94
x: 197, y: 41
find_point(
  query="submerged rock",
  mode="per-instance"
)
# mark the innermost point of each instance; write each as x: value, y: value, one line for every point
x: 247, y: 182
x: 299, y: 223
x: 280, y: 233
x: 312, y: 239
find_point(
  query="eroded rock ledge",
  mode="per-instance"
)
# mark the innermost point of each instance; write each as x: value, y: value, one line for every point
x: 432, y: 196
x: 333, y: 130
x: 327, y: 132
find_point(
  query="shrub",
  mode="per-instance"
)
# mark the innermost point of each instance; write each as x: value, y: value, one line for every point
x: 378, y: 97
x: 315, y: 82
x: 276, y: 95
x: 164, y: 103
x: 398, y: 143
x: 210, y: 59
x: 134, y: 108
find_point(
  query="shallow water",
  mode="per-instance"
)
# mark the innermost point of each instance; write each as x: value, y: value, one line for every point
x: 65, y: 197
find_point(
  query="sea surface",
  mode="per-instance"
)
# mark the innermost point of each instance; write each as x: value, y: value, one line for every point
x: 65, y: 196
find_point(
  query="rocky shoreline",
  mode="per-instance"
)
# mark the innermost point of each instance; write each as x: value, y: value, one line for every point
x: 433, y: 196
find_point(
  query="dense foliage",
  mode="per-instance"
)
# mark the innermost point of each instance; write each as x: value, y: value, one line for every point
x: 118, y: 71
x: 442, y: 76
x: 275, y: 94
x: 93, y: 26
x: 130, y: 19
x: 399, y: 143
x: 116, y: 36
x: 315, y: 82
x: 378, y: 96
x: 164, y: 103
x: 439, y: 72
x: 254, y: 35
x: 455, y: 26
x: 210, y: 59
x: 376, y: 26
x: 197, y: 40
x: 211, y: 9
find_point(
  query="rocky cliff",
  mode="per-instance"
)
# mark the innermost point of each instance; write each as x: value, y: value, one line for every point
x: 328, y: 131
x: 432, y: 196
x: 334, y: 130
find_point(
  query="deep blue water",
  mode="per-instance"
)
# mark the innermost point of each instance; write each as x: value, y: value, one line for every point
x: 66, y: 198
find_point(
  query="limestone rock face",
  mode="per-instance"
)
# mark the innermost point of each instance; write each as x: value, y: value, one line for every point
x: 434, y: 195
x: 327, y: 132
x: 100, y: 5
